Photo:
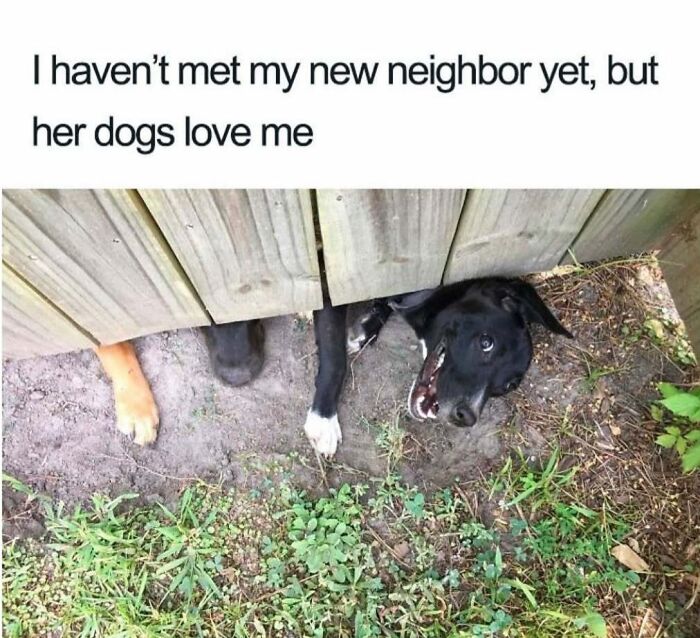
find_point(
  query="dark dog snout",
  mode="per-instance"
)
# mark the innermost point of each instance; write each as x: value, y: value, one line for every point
x: 463, y: 416
x: 238, y: 374
x: 236, y: 350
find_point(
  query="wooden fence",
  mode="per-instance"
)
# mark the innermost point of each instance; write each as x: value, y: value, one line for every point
x: 82, y: 267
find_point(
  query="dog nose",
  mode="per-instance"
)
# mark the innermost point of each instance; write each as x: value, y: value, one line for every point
x: 237, y: 374
x: 463, y: 416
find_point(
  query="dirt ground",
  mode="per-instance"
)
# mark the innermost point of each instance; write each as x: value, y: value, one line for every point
x: 59, y: 435
x: 58, y: 417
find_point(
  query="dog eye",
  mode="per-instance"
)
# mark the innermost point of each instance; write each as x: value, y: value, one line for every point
x: 486, y: 343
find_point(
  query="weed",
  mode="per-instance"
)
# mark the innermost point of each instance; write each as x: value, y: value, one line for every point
x: 595, y: 372
x: 665, y: 333
x: 672, y: 337
x: 680, y: 434
x: 390, y: 439
x: 591, y: 379
x: 209, y: 407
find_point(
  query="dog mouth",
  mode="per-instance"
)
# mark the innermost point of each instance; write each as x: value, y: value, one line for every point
x: 422, y: 399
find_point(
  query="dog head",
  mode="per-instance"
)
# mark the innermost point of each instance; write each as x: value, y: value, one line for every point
x: 477, y: 346
x: 236, y: 350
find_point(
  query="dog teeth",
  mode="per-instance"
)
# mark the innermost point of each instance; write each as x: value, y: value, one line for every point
x: 430, y: 413
x: 421, y: 412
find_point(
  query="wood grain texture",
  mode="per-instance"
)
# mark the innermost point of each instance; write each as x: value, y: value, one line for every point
x: 384, y: 242
x: 513, y: 232
x: 249, y: 253
x: 632, y: 221
x: 680, y: 261
x: 99, y: 257
x: 31, y: 326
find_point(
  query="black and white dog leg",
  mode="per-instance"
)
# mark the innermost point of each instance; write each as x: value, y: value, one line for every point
x: 322, y: 427
x: 366, y: 329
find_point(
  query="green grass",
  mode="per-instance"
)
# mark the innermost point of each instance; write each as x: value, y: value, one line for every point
x: 277, y: 562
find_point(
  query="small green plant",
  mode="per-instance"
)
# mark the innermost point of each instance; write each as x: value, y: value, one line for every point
x: 680, y: 435
x: 390, y: 438
x: 209, y: 408
x: 672, y: 337
x: 666, y: 334
x: 527, y: 483
x: 192, y: 552
x: 325, y: 535
x: 594, y: 374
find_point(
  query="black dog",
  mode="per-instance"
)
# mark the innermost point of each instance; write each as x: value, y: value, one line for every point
x: 475, y: 339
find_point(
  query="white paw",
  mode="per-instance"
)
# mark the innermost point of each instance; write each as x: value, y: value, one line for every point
x: 324, y: 434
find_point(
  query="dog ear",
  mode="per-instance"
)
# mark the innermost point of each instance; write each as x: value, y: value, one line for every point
x: 519, y: 296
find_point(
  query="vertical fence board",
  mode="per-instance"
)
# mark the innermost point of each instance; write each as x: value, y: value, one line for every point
x: 249, y: 253
x: 512, y: 232
x: 31, y: 326
x: 383, y: 242
x: 98, y: 256
x: 680, y: 261
x: 632, y: 221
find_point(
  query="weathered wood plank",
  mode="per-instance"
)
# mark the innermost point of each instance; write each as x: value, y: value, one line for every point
x: 513, y: 232
x: 249, y: 253
x: 384, y: 242
x: 31, y: 326
x: 99, y: 257
x: 680, y: 261
x: 632, y: 221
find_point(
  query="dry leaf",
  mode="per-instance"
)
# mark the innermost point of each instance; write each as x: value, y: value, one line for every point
x: 694, y: 580
x: 401, y: 550
x: 559, y: 271
x: 604, y: 444
x: 629, y: 558
x: 231, y: 574
x: 645, y: 275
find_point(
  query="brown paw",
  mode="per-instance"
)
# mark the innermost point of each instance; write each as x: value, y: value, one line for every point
x: 137, y: 416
